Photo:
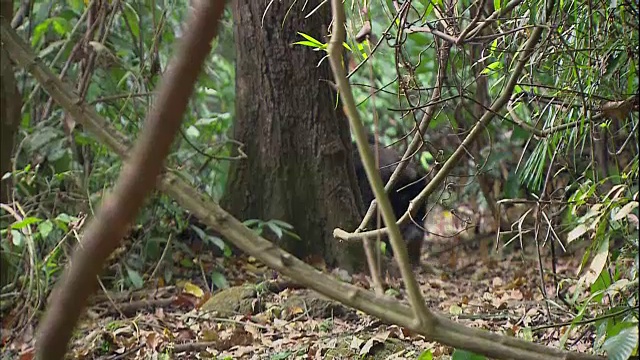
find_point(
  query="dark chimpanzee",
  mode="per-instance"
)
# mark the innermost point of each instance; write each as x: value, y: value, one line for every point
x: 408, y: 186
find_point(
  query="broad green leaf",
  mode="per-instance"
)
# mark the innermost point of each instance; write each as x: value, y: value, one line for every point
x: 135, y: 278
x: 39, y: 31
x: 17, y: 238
x: 199, y: 232
x: 65, y: 218
x: 60, y: 25
x: 25, y: 222
x: 425, y: 355
x: 494, y: 66
x: 275, y: 228
x: 216, y: 241
x: 45, y: 228
x: 186, y: 262
x: 218, y: 280
x: 601, y: 286
x: 624, y: 344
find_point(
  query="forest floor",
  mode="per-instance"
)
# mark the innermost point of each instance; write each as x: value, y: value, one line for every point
x: 256, y: 318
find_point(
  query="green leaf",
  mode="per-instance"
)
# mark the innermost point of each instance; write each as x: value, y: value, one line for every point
x: 494, y: 66
x: 465, y: 355
x: 292, y: 234
x: 65, y: 218
x: 216, y: 241
x: 429, y: 9
x: 135, y: 278
x: 17, y: 237
x: 132, y: 18
x: 60, y: 25
x: 306, y: 43
x: 312, y: 40
x: 76, y: 5
x: 383, y: 247
x: 39, y: 31
x: 25, y: 222
x: 493, y: 47
x: 186, y: 262
x: 601, y: 286
x: 497, y: 5
x: 192, y: 132
x: 425, y: 159
x: 218, y: 280
x: 425, y: 355
x: 275, y: 228
x: 282, y: 224
x: 198, y: 232
x: 45, y: 228
x: 42, y: 137
x: 249, y: 223
x: 624, y: 344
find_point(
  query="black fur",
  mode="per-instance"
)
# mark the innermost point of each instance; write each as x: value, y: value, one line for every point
x: 408, y: 186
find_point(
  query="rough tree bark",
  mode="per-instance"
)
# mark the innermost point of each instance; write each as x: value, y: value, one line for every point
x: 10, y: 104
x: 299, y: 167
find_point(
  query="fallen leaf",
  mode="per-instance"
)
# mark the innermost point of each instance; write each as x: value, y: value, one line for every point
x: 192, y: 289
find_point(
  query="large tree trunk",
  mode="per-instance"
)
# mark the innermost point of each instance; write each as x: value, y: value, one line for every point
x: 10, y: 104
x: 299, y: 167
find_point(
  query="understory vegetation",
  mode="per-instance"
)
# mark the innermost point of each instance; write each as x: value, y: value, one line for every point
x: 531, y: 233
